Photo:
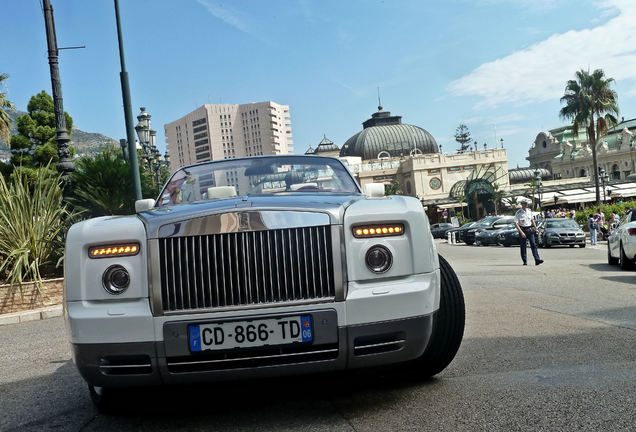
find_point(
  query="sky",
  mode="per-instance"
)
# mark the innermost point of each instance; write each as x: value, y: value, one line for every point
x: 498, y: 66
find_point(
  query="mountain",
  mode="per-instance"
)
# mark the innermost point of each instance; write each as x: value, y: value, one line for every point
x: 85, y: 143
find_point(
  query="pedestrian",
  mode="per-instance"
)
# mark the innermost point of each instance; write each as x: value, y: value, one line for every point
x: 614, y: 221
x: 592, y: 224
x: 572, y: 213
x: 527, y: 228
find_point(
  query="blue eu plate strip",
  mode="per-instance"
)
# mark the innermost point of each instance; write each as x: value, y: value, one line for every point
x: 305, y: 324
x: 195, y: 338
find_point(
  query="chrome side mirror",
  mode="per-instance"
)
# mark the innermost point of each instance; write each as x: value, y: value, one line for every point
x: 144, y: 204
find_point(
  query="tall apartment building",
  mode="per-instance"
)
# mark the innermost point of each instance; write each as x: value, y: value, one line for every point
x: 220, y: 131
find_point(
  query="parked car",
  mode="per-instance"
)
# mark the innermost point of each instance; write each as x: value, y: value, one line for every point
x: 509, y: 237
x: 489, y: 237
x: 621, y: 243
x: 254, y: 267
x: 461, y: 231
x: 439, y: 229
x: 560, y: 231
x: 487, y: 223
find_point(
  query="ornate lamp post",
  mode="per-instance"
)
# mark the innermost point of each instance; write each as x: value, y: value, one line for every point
x: 151, y: 157
x: 501, y: 141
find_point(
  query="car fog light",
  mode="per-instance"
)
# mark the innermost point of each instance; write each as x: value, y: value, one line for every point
x: 116, y: 279
x: 378, y: 259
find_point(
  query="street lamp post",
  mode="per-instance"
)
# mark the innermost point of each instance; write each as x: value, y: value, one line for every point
x: 501, y: 141
x: 604, y: 179
x: 537, y: 179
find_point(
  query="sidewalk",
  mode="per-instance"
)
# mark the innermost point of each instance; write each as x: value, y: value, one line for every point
x: 31, y: 315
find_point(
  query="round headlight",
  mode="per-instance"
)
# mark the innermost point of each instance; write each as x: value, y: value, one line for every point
x: 378, y: 259
x: 116, y: 279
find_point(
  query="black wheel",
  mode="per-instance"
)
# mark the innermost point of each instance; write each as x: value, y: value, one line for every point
x: 625, y: 263
x: 572, y: 246
x: 105, y: 399
x: 506, y: 244
x: 582, y: 245
x: 610, y: 259
x: 448, y: 326
x: 469, y: 243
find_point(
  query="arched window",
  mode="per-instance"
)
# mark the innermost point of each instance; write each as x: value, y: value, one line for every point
x: 384, y: 155
x: 616, y: 172
x: 416, y: 152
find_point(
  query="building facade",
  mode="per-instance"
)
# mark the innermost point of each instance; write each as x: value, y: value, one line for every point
x: 567, y: 155
x: 223, y: 131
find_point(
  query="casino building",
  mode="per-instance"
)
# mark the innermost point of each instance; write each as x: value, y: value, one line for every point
x: 389, y: 151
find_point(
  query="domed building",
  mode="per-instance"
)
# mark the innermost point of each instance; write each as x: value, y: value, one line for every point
x: 384, y: 136
x: 408, y: 159
x: 326, y: 147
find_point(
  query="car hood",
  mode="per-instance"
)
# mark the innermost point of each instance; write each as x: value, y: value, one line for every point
x: 330, y: 205
x: 563, y: 230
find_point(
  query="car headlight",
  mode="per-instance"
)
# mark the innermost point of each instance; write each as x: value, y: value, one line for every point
x: 116, y: 279
x: 113, y: 250
x: 378, y: 259
x: 378, y: 230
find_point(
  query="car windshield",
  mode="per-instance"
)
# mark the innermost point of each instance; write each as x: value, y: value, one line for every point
x: 562, y: 223
x: 257, y: 176
x: 487, y: 221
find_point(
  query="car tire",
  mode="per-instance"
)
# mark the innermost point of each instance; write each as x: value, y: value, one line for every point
x: 572, y: 246
x: 469, y: 243
x: 610, y: 259
x: 506, y: 244
x: 624, y: 262
x: 105, y: 399
x: 582, y: 245
x: 448, y: 326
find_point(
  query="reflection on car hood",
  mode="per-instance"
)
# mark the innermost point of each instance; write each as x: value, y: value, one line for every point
x: 332, y: 204
x: 509, y: 232
x: 563, y: 230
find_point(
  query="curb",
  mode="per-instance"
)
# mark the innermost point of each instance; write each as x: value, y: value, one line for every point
x: 31, y: 315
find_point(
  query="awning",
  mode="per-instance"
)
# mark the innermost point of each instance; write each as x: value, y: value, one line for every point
x: 622, y: 193
x: 573, y: 199
x: 451, y: 205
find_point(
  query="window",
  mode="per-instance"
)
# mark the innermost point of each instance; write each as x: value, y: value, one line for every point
x: 198, y: 122
x: 200, y: 142
x: 199, y: 129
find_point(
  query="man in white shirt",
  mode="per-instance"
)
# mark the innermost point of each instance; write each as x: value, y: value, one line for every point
x: 527, y: 228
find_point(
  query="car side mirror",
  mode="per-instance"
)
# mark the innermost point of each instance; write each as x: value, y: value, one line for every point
x: 144, y: 204
x: 374, y: 190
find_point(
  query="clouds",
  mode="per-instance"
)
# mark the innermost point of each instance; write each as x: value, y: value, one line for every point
x: 231, y: 17
x: 539, y: 72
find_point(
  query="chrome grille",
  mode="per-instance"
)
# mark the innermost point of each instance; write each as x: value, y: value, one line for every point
x: 246, y: 268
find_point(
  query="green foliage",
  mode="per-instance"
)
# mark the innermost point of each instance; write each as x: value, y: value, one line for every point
x: 393, y: 189
x: 33, y: 224
x: 102, y: 185
x: 35, y: 144
x: 462, y: 136
x: 582, y: 216
x: 5, y: 104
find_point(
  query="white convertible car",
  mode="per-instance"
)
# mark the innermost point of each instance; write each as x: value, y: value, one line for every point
x: 621, y: 243
x: 255, y: 267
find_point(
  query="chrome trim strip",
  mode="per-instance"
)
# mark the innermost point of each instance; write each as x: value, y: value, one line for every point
x: 154, y: 278
x: 338, y: 254
x: 251, y: 306
x: 395, y: 342
x: 141, y: 365
x: 238, y: 359
x: 250, y: 220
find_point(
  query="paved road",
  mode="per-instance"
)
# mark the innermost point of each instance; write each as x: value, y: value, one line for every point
x: 550, y: 347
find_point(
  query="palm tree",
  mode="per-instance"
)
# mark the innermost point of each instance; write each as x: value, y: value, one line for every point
x: 589, y: 101
x: 5, y: 119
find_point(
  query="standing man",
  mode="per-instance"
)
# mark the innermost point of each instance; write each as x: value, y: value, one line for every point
x: 527, y: 228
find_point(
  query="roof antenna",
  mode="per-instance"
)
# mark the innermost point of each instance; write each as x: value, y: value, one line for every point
x: 379, y: 103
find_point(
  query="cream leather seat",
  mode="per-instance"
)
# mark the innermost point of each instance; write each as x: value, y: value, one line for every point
x: 221, y: 192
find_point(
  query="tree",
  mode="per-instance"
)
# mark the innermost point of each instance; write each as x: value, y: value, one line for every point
x: 393, y: 189
x: 35, y: 145
x: 5, y: 104
x: 589, y: 101
x: 462, y: 136
x: 497, y: 196
x: 102, y: 185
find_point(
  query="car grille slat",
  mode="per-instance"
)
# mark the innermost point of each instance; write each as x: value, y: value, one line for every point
x: 246, y: 268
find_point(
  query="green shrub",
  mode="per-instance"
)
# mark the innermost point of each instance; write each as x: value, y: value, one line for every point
x: 33, y: 225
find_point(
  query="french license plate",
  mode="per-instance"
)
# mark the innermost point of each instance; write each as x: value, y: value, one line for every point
x: 254, y: 333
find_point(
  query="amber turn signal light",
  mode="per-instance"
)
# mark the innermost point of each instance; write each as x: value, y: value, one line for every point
x: 378, y: 230
x: 114, y: 250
